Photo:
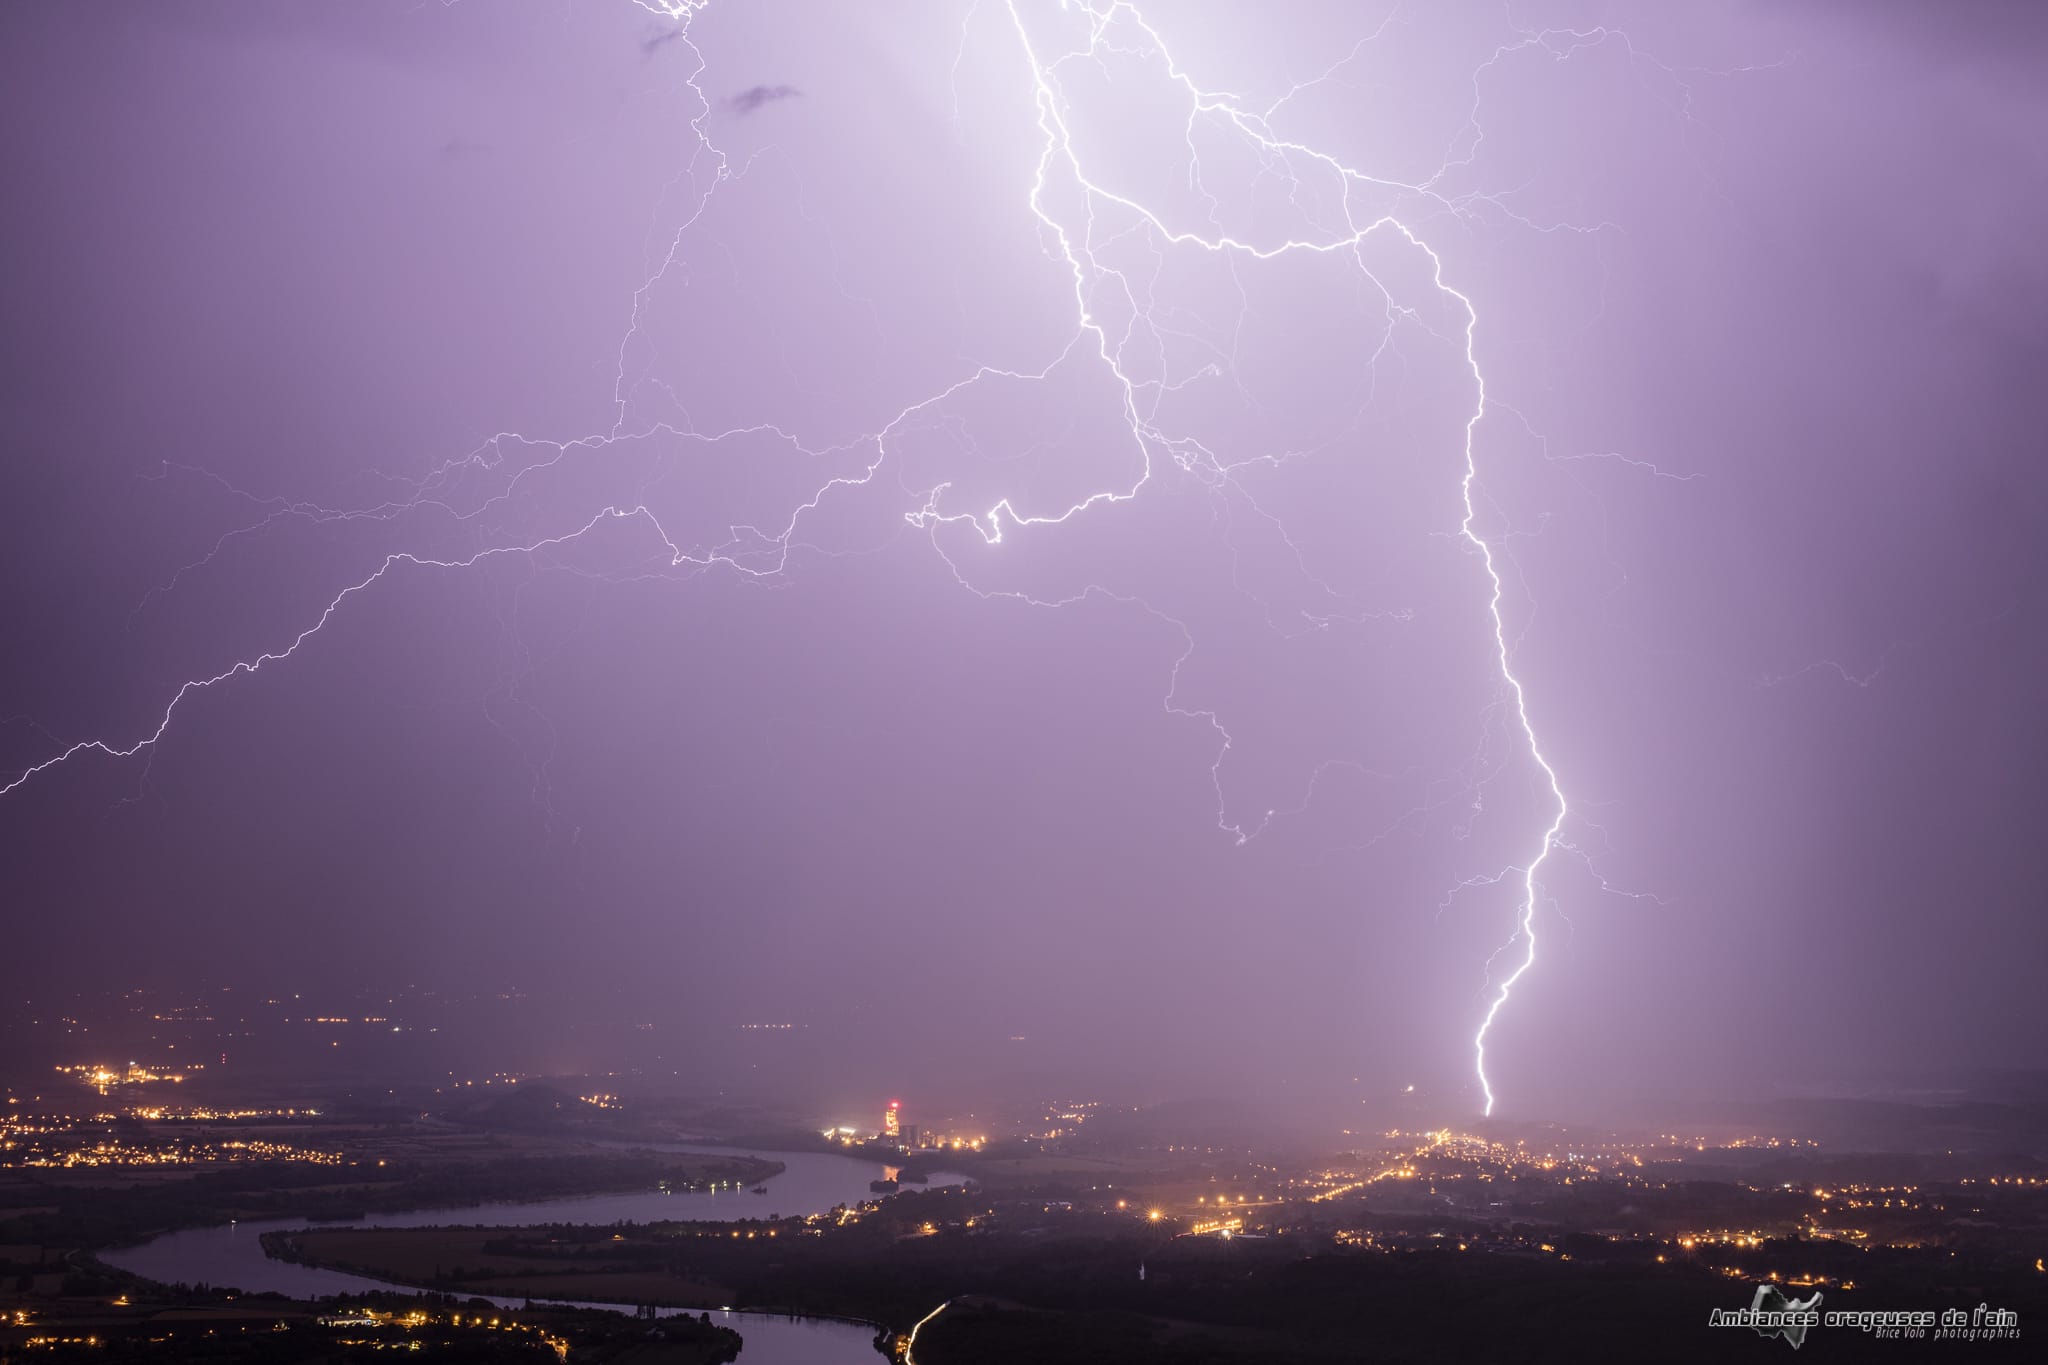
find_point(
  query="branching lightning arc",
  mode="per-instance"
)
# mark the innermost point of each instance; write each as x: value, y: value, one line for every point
x: 1107, y: 28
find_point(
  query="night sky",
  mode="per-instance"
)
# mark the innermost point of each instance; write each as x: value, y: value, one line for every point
x: 938, y: 523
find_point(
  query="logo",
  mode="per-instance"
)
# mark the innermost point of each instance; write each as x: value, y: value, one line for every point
x: 1771, y: 1314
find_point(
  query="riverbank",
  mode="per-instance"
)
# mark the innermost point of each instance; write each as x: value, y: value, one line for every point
x: 89, y: 1209
x: 224, y: 1326
x: 488, y: 1262
x: 823, y: 1191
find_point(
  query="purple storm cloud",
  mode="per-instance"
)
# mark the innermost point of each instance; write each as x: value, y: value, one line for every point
x: 1491, y: 549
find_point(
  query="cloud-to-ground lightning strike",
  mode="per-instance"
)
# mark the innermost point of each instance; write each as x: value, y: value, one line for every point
x: 1526, y: 922
x: 1116, y: 28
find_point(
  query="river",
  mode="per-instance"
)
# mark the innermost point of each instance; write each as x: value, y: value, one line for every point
x: 811, y: 1182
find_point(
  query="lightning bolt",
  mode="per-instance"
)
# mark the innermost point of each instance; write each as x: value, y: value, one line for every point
x: 505, y: 466
x: 1059, y: 140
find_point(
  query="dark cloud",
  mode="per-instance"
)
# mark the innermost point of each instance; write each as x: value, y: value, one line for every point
x: 747, y: 101
x: 1977, y: 31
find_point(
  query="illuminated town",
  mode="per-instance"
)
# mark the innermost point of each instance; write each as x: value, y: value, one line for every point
x: 126, y: 1145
